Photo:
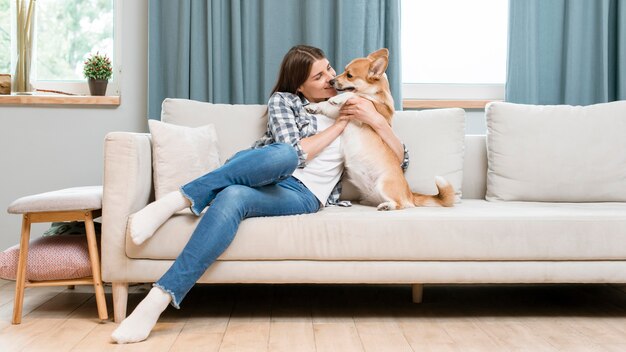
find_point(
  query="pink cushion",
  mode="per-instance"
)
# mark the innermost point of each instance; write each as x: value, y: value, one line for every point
x: 50, y: 258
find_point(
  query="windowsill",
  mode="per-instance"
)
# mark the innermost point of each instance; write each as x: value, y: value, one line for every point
x: 53, y: 99
x: 438, y: 104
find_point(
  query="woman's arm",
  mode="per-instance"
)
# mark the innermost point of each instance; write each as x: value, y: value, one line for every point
x: 363, y: 110
x: 315, y: 144
x: 282, y: 110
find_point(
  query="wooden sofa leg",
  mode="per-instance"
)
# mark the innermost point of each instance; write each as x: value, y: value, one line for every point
x: 418, y: 291
x: 120, y: 299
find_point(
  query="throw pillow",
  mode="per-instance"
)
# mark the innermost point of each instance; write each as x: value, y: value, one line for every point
x: 556, y: 153
x: 435, y: 140
x: 181, y: 154
x: 60, y: 257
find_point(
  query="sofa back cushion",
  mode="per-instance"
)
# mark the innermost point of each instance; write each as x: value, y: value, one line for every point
x: 237, y: 126
x: 436, y: 144
x: 556, y: 153
x: 435, y: 138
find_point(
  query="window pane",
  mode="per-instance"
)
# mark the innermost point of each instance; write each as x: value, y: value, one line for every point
x: 5, y: 36
x: 454, y: 41
x: 67, y: 31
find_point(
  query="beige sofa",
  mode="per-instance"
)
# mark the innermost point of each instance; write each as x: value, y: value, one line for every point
x: 506, y: 239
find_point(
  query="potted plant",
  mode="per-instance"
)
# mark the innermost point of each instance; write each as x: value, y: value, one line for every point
x: 98, y: 70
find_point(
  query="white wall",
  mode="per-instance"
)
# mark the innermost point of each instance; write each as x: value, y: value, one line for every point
x: 48, y: 148
x: 475, y: 122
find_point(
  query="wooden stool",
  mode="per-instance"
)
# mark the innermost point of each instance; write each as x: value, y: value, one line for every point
x: 71, y: 204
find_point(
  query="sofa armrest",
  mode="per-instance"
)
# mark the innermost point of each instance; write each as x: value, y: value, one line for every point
x: 127, y: 188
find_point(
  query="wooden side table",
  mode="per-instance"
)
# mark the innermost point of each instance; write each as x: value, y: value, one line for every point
x: 71, y: 204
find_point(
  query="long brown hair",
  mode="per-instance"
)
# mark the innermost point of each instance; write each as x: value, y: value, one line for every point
x: 296, y: 67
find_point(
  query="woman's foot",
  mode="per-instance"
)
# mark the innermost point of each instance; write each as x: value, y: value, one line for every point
x: 137, y: 326
x: 145, y: 222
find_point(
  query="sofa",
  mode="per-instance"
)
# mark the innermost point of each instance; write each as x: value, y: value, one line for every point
x: 540, y: 199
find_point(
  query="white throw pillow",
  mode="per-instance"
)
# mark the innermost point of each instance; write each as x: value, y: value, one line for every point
x: 556, y: 153
x: 181, y: 154
x: 435, y: 140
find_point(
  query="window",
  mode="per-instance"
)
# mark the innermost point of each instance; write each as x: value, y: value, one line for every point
x: 66, y: 32
x: 454, y: 49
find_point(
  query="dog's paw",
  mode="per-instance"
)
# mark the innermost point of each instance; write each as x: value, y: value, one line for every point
x: 387, y: 206
x: 313, y: 108
x: 341, y: 99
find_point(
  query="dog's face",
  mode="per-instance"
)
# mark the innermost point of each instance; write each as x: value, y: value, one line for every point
x: 362, y: 75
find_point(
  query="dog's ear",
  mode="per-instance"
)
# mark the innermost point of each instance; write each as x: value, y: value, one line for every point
x: 378, y: 53
x: 378, y: 67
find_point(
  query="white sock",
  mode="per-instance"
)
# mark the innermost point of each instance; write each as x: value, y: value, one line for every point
x: 145, y: 222
x: 137, y: 326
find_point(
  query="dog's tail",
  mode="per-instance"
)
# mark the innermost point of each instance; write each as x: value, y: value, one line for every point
x: 445, y: 197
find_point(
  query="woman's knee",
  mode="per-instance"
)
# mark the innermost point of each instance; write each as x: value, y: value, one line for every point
x: 286, y: 153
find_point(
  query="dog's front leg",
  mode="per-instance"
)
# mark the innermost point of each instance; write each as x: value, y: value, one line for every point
x: 339, y: 100
x: 330, y: 107
x: 324, y: 108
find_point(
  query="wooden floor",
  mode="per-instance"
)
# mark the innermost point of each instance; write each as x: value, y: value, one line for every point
x: 333, y: 318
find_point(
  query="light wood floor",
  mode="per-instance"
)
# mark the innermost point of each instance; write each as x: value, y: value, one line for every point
x: 333, y: 318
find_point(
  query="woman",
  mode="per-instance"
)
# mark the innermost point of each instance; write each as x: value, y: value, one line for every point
x: 293, y: 169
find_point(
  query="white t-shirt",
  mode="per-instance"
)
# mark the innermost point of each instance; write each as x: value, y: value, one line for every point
x: 321, y: 174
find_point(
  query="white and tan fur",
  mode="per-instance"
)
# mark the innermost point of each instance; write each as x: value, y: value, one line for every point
x: 370, y: 163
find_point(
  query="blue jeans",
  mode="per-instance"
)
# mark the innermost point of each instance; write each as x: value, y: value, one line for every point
x: 253, y: 183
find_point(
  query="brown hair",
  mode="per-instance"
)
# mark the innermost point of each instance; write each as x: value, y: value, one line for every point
x: 296, y: 67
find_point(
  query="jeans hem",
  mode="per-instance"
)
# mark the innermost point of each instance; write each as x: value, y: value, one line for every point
x: 174, y: 303
x: 191, y: 200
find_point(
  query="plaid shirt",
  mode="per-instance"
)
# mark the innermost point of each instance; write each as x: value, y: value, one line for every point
x: 289, y: 122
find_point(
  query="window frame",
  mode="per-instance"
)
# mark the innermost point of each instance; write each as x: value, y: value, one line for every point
x: 453, y: 91
x: 458, y: 92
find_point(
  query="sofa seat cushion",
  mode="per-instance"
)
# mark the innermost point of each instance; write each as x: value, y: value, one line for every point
x: 472, y: 230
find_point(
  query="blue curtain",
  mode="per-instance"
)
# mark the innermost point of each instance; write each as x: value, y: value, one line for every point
x: 566, y: 51
x: 229, y: 51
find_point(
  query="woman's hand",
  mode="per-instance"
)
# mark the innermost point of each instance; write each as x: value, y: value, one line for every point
x: 361, y: 109
x: 341, y: 122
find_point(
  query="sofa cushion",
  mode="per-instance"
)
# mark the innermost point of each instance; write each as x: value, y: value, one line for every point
x: 436, y: 143
x: 473, y: 230
x: 556, y: 153
x: 181, y: 154
x: 237, y: 126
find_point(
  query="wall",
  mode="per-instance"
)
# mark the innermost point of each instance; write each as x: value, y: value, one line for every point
x: 47, y: 148
x: 475, y: 122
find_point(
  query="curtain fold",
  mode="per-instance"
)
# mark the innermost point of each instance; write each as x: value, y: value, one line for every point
x: 229, y: 51
x: 566, y: 51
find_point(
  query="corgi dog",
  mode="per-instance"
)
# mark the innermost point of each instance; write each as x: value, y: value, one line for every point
x: 370, y: 164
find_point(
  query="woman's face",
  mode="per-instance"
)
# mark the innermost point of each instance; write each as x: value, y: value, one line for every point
x: 316, y: 88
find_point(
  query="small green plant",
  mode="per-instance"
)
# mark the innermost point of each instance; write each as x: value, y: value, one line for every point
x: 98, y: 67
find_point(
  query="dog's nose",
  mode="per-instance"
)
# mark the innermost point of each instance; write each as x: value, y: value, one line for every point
x: 332, y: 82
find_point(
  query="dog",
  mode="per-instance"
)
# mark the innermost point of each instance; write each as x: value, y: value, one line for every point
x: 370, y: 164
